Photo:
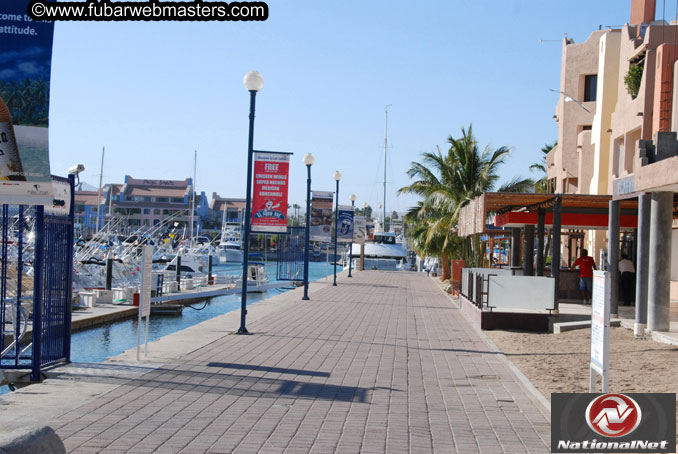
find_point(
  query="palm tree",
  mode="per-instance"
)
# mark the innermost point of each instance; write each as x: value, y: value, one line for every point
x: 542, y: 184
x: 296, y: 208
x: 449, y: 181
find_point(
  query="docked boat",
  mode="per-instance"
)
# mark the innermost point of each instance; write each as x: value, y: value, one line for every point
x: 383, y: 253
x: 257, y: 279
x: 229, y: 248
x: 189, y: 265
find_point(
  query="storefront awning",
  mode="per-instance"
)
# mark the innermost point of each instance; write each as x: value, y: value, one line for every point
x: 592, y: 210
x: 568, y: 220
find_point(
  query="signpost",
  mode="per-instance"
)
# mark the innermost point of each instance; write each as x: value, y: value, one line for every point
x: 145, y: 295
x: 600, y: 330
x: 359, y: 235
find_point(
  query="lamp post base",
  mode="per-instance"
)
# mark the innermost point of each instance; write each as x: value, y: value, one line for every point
x: 243, y: 330
x: 305, y: 298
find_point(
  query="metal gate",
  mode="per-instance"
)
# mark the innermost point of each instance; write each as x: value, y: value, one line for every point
x: 291, y: 255
x: 36, y: 275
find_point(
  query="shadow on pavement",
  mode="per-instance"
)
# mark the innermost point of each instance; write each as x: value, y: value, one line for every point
x: 280, y: 370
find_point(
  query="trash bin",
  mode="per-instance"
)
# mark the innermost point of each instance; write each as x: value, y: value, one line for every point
x: 135, y: 299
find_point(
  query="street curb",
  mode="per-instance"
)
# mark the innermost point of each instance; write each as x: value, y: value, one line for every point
x: 527, y: 384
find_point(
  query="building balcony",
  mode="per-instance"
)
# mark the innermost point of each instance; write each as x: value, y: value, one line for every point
x: 658, y: 169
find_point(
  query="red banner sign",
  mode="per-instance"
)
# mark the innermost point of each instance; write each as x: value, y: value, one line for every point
x: 269, y: 198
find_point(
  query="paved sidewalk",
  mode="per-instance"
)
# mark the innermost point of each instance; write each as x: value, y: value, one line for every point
x: 381, y: 363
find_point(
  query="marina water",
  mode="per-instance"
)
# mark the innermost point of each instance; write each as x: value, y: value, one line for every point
x: 104, y: 341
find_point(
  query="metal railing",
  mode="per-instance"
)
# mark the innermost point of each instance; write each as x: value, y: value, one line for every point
x: 475, y: 286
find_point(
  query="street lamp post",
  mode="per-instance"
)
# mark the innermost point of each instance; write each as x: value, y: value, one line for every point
x: 362, y: 246
x: 253, y: 83
x: 337, y: 177
x: 350, y: 251
x: 308, y: 162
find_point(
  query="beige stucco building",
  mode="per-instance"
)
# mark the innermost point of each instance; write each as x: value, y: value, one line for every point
x: 612, y: 141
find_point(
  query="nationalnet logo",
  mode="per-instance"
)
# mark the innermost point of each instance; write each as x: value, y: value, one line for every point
x: 613, y: 415
x: 613, y: 422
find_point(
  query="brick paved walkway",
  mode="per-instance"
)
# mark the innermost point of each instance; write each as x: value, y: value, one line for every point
x: 382, y: 363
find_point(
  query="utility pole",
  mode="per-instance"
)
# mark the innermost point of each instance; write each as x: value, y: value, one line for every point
x: 385, y: 146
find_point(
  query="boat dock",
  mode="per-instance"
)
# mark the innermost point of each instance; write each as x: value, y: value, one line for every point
x: 109, y: 312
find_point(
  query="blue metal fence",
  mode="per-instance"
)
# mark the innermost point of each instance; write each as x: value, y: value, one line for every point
x: 36, y: 246
x: 291, y: 255
x: 53, y: 299
x: 14, y: 316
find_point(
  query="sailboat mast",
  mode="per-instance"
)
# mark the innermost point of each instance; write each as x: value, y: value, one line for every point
x: 110, y: 209
x: 195, y: 160
x: 385, y: 147
x: 101, y: 176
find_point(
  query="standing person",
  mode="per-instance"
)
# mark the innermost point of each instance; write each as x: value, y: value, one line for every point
x: 628, y: 272
x: 586, y: 266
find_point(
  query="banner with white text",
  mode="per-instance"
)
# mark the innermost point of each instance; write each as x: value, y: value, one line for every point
x: 269, y: 197
x: 25, y: 69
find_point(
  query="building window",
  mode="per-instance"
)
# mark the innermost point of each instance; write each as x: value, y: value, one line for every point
x: 147, y: 211
x: 156, y: 211
x: 162, y: 199
x: 586, y: 128
x: 590, y: 85
x: 177, y: 200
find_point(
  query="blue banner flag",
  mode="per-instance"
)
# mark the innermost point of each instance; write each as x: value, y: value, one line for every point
x: 25, y: 67
x: 345, y: 228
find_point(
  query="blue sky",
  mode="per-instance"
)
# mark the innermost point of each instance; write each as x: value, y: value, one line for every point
x: 151, y: 93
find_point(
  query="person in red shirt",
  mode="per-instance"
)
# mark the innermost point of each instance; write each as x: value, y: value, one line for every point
x: 586, y: 266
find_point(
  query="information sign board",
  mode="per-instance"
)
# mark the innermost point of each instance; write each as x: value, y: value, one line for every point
x: 600, y: 329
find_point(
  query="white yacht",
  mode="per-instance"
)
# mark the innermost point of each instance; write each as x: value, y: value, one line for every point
x: 229, y: 248
x: 383, y: 253
x: 189, y: 264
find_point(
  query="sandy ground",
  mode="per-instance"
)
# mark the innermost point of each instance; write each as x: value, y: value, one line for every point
x: 559, y: 362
